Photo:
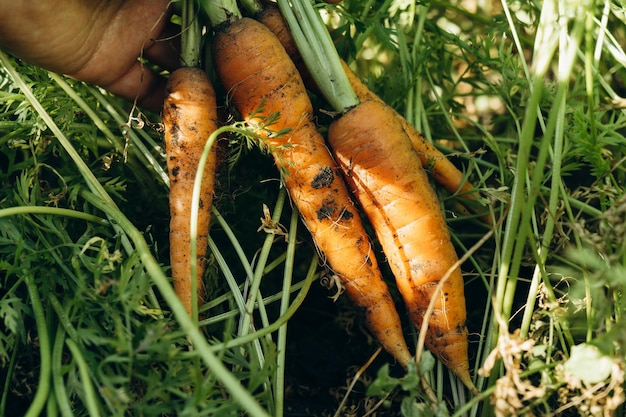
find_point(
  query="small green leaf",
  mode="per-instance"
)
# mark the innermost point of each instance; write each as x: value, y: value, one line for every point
x: 383, y: 384
x: 11, y: 310
x: 411, y: 408
x: 588, y: 364
x: 411, y: 380
x: 427, y: 362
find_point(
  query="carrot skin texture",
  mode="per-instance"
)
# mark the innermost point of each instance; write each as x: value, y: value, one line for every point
x: 386, y: 175
x: 271, y: 17
x: 261, y: 80
x: 439, y: 166
x: 436, y: 163
x: 189, y: 118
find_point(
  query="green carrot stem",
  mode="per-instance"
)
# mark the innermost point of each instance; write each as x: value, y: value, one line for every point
x: 279, y: 383
x: 55, y: 211
x: 92, y: 182
x: 252, y: 6
x: 318, y: 53
x: 220, y: 12
x: 282, y: 320
x: 246, y: 321
x: 63, y: 319
x: 43, y: 387
x: 195, y: 207
x: 137, y: 137
x: 190, y: 36
x: 58, y: 383
x: 91, y: 399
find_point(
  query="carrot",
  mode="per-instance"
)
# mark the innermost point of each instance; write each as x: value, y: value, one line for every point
x: 269, y: 14
x: 189, y: 117
x: 386, y: 174
x: 262, y: 81
x: 383, y: 170
x: 439, y: 166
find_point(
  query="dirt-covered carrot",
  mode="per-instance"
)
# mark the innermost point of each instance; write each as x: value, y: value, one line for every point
x: 437, y: 164
x: 189, y: 118
x: 383, y: 170
x: 262, y: 81
x: 385, y: 173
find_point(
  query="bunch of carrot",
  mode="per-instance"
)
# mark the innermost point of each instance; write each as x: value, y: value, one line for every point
x: 373, y: 156
x: 262, y: 81
x: 376, y: 149
x: 244, y: 52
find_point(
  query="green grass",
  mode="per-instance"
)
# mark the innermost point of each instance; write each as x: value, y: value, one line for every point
x: 527, y: 98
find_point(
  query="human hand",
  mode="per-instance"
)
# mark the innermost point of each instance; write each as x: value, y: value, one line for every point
x: 96, y: 41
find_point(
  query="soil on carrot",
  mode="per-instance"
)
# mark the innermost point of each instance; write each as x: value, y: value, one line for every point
x: 324, y: 178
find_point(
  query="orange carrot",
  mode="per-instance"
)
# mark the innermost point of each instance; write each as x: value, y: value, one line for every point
x: 439, y: 166
x: 385, y: 173
x: 262, y: 81
x: 189, y: 118
x: 375, y: 154
x: 270, y: 16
